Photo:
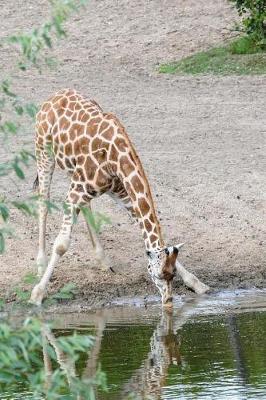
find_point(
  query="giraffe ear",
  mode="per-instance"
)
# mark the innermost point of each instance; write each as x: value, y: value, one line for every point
x: 178, y: 246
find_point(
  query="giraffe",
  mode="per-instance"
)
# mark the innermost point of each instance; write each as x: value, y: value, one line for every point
x: 92, y: 146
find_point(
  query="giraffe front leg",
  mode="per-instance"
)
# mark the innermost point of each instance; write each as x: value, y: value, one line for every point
x: 60, y: 246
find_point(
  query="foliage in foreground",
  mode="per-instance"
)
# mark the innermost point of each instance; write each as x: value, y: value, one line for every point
x: 253, y: 14
x: 32, y: 359
x: 241, y: 57
x: 16, y: 115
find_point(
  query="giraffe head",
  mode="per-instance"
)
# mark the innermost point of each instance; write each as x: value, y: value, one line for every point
x: 162, y: 268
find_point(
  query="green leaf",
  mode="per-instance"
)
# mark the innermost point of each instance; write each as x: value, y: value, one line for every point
x: 18, y: 170
x: 4, y: 211
x: 2, y: 243
x: 31, y: 109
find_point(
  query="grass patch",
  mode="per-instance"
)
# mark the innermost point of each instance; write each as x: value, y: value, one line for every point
x: 240, y: 57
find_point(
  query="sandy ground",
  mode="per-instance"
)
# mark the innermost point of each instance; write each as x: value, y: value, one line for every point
x: 201, y: 140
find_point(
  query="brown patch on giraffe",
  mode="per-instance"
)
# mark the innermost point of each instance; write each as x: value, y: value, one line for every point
x: 44, y: 126
x: 55, y: 129
x: 144, y: 206
x: 90, y: 168
x: 113, y: 153
x: 63, y: 137
x: 91, y: 129
x: 104, y: 125
x: 77, y: 107
x: 130, y: 192
x: 77, y: 149
x: 60, y: 164
x: 84, y: 145
x: 68, y: 163
x: 145, y: 236
x: 86, y: 198
x: 40, y: 141
x: 51, y: 117
x: 80, y: 160
x: 96, y: 144
x: 126, y: 166
x: 95, y: 120
x: 102, y: 179
x: 81, y: 113
x: 46, y: 107
x: 64, y: 102
x: 79, y: 188
x: 74, y: 116
x: 79, y: 175
x: 85, y: 117
x: 71, y: 106
x: 148, y: 225
x: 68, y: 113
x: 64, y: 123
x: 100, y: 155
x: 137, y: 184
x: 40, y: 131
x: 120, y: 144
x: 108, y: 134
x: 90, y: 189
x: 68, y: 149
x: 74, y: 197
x: 151, y: 218
x: 153, y: 238
x: 60, y: 112
x: 73, y: 98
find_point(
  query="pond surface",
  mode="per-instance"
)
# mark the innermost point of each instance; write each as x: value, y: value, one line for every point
x: 208, y: 348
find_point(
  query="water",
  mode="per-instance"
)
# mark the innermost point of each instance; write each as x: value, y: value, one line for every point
x: 208, y: 348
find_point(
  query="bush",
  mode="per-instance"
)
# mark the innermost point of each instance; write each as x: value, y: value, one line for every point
x: 253, y: 13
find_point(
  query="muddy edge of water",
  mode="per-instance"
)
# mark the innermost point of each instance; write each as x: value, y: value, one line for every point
x: 218, y: 302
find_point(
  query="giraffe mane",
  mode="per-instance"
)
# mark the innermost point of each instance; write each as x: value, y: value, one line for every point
x: 140, y: 166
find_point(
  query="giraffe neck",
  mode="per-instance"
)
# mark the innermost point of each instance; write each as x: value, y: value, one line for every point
x: 137, y: 196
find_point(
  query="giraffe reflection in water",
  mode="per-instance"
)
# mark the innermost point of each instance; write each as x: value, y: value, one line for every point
x: 147, y: 382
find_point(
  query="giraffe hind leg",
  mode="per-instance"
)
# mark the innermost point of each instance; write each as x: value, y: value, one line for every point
x: 97, y: 247
x: 45, y: 169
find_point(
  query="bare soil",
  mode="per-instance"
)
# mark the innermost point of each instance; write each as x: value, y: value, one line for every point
x: 201, y: 140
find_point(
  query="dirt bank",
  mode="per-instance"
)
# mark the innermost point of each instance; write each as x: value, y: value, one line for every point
x: 201, y: 140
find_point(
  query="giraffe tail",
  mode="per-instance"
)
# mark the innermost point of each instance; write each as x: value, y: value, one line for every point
x: 36, y: 183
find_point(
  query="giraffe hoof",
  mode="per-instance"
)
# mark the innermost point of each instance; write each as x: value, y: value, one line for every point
x: 37, y: 295
x: 202, y: 288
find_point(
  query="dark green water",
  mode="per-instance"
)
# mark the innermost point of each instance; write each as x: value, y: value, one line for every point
x: 209, y: 348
